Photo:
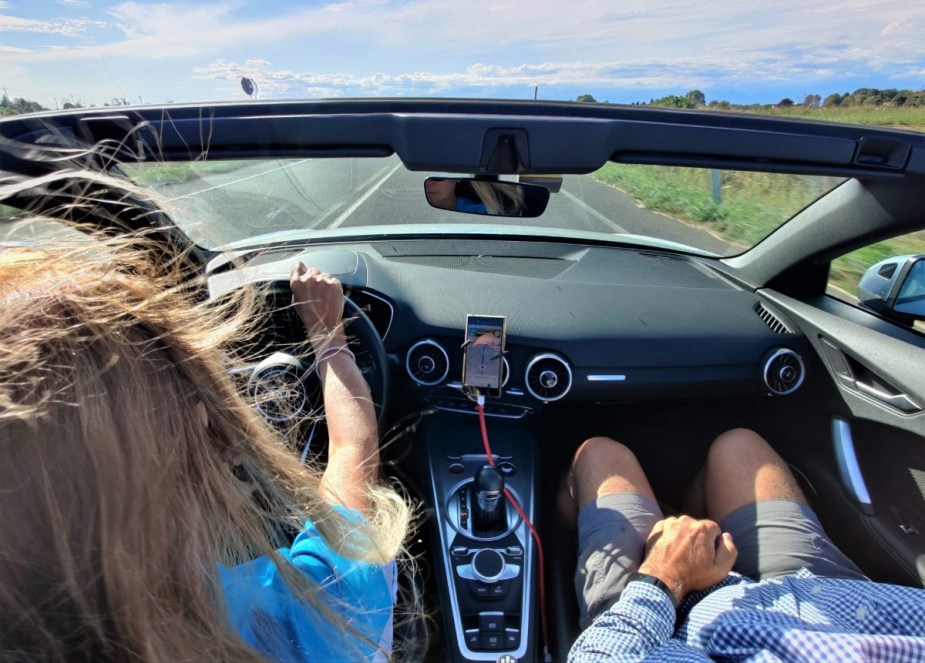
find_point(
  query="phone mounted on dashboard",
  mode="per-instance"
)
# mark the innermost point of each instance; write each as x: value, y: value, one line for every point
x: 483, y: 353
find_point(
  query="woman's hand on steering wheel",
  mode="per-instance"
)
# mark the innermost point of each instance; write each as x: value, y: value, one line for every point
x: 319, y: 302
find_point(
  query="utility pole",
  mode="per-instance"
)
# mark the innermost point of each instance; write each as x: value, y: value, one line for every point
x: 536, y: 91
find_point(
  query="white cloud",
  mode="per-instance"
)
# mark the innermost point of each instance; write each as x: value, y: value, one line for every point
x: 13, y: 49
x: 74, y: 4
x: 75, y: 27
x: 643, y: 74
x: 380, y: 47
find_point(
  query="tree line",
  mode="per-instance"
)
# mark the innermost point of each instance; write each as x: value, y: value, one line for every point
x: 20, y: 105
x: 861, y: 97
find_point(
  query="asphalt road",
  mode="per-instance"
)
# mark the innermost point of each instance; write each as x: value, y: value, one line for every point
x: 261, y: 197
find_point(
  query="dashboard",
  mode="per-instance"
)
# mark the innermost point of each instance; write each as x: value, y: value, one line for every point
x: 585, y: 324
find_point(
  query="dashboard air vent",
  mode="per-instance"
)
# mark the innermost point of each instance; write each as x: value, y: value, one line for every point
x: 784, y: 372
x: 771, y: 320
x: 427, y: 363
x: 548, y: 377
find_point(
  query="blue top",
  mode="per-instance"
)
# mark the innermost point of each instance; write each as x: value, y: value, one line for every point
x: 795, y: 618
x: 275, y: 623
x: 464, y: 204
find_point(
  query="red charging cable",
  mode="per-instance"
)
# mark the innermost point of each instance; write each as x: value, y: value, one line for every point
x: 480, y: 406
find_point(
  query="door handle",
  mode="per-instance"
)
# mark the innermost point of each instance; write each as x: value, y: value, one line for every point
x: 899, y: 402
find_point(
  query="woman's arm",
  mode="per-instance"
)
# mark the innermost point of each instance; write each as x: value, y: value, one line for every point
x: 353, y: 446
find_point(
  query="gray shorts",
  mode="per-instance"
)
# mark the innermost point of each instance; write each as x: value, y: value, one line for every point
x: 774, y: 538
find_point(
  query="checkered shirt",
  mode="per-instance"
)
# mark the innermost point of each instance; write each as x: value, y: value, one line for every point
x: 795, y: 618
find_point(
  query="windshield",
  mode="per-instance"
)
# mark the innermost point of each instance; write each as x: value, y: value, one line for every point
x: 217, y: 203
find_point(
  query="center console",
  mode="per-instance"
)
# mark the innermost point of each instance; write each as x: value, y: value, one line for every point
x: 485, y: 556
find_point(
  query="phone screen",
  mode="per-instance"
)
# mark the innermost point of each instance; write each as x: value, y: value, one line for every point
x: 482, y: 365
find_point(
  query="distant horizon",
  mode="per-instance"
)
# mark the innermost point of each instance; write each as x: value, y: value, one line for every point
x: 744, y: 52
x: 90, y: 103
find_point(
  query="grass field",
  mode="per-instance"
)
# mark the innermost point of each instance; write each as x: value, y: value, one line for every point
x: 876, y: 116
x: 752, y: 205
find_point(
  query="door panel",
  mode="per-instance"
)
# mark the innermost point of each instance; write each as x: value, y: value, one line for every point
x: 877, y: 458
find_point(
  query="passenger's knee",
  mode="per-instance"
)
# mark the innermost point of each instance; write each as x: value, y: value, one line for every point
x: 602, y: 452
x: 737, y: 446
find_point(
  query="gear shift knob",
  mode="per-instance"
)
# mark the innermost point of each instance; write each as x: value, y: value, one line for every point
x: 488, y: 488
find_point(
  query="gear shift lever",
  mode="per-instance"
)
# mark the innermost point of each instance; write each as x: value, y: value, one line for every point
x: 488, y: 489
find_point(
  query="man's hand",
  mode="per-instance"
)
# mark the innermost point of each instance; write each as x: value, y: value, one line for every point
x: 319, y: 301
x: 688, y: 555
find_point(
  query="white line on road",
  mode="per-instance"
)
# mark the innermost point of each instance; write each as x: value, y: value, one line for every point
x: 593, y: 212
x: 242, y: 179
x: 362, y: 199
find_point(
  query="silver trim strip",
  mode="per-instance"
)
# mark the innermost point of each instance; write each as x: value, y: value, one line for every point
x: 848, y: 467
x: 509, y: 572
x: 388, y: 327
x: 606, y: 378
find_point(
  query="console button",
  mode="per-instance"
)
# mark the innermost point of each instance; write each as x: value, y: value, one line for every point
x: 491, y: 622
x: 498, y: 590
x: 511, y: 638
x: 457, y: 468
x: 480, y: 590
x: 488, y: 565
x: 473, y: 639
x: 492, y: 642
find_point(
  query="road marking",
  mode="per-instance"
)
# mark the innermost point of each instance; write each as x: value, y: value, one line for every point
x: 593, y: 212
x: 320, y: 220
x: 362, y: 199
x: 243, y: 179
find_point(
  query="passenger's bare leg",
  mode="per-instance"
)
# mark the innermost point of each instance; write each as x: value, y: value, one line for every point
x: 741, y: 469
x: 601, y: 466
x: 752, y: 494
x: 607, y: 494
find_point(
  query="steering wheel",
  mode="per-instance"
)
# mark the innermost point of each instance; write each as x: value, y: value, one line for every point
x: 283, y: 388
x: 374, y: 364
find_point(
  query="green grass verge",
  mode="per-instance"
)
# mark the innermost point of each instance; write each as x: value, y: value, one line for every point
x: 751, y: 205
x: 177, y: 172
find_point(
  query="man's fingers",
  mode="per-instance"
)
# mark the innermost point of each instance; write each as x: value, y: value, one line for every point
x: 726, y: 553
x: 710, y: 529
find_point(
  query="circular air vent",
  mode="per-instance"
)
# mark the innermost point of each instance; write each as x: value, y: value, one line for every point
x: 505, y: 371
x: 277, y: 388
x: 783, y: 372
x: 427, y: 363
x: 548, y: 377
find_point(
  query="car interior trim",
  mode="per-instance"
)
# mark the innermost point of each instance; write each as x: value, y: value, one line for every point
x: 848, y: 467
x: 444, y: 552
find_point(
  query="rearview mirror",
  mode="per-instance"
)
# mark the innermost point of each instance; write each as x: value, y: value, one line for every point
x: 473, y: 196
x: 895, y: 288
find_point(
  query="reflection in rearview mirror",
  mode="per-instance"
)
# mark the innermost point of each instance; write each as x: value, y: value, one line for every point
x: 462, y: 194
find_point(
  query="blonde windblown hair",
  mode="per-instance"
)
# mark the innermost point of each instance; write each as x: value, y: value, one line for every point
x: 116, y: 503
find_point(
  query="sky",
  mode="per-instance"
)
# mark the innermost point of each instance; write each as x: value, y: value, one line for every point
x: 743, y: 51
